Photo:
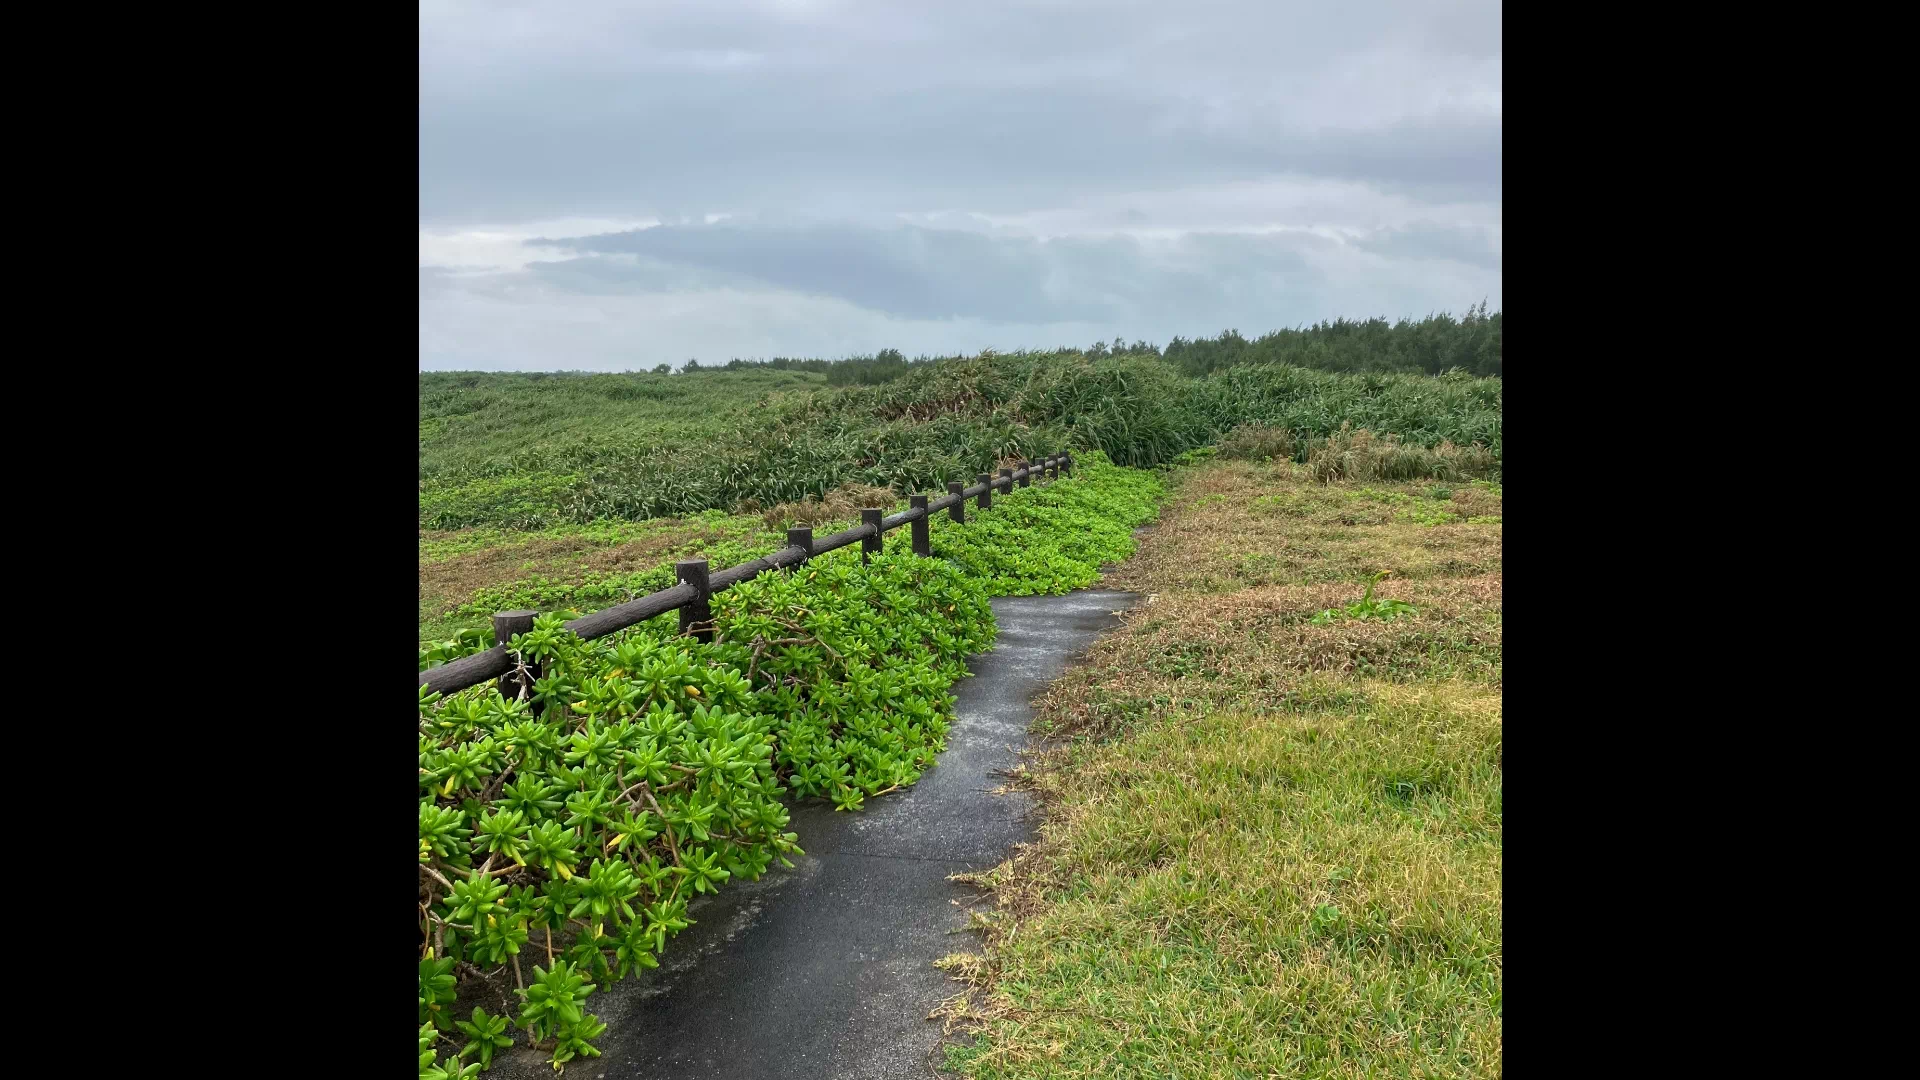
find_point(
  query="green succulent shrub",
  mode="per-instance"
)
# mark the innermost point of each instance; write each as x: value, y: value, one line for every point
x: 1054, y: 538
x: 643, y: 769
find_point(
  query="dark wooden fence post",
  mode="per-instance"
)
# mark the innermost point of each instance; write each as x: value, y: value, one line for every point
x: 505, y: 625
x: 1026, y: 477
x: 697, y: 617
x: 922, y: 534
x: 870, y: 545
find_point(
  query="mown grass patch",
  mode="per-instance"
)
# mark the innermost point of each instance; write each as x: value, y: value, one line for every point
x: 1271, y: 847
x: 1314, y: 892
x: 1233, y: 525
x: 1254, y: 649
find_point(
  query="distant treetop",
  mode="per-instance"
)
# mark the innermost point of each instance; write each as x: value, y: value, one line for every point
x: 1435, y: 344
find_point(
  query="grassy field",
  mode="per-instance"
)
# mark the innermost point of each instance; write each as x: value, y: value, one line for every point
x: 468, y: 574
x: 469, y: 419
x: 572, y: 491
x: 1272, y: 844
x: 519, y: 450
x: 1272, y: 840
x: 535, y: 452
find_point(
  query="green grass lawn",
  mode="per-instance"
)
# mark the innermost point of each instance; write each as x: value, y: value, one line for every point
x: 1271, y: 848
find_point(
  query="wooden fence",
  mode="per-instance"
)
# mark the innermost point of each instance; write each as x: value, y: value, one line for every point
x: 690, y: 597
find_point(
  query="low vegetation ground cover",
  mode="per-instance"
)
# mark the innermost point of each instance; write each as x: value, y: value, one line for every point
x: 474, y: 421
x: 464, y: 573
x: 1272, y: 842
x: 645, y: 768
x: 1012, y: 546
x: 536, y: 452
x: 573, y: 822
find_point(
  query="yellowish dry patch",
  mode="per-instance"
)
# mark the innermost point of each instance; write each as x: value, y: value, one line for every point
x: 1237, y: 524
x: 841, y: 504
x: 1258, y: 650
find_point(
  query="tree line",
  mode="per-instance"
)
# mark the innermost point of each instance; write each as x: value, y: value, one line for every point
x: 1440, y: 342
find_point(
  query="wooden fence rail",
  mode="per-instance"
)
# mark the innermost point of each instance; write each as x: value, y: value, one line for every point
x: 690, y: 597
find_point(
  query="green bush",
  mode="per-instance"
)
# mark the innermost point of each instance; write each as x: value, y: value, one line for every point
x: 1436, y: 344
x: 1053, y: 539
x: 515, y: 454
x: 646, y: 768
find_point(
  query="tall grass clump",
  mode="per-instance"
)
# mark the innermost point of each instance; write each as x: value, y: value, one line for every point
x: 1419, y: 409
x: 842, y: 503
x: 1361, y: 455
x: 1258, y: 442
x: 546, y: 451
x: 1130, y: 407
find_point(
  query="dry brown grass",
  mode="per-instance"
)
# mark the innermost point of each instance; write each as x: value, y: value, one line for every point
x: 1470, y: 502
x: 1236, y: 524
x: 1269, y: 848
x: 1258, y: 442
x: 842, y: 503
x: 1258, y: 650
x: 1361, y: 455
x: 450, y: 582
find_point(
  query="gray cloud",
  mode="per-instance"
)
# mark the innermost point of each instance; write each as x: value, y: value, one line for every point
x: 945, y: 171
x: 985, y: 153
x: 983, y: 104
x: 1475, y: 245
x: 639, y: 298
x: 941, y: 274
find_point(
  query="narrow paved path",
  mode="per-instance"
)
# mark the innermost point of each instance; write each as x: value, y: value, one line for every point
x: 826, y: 970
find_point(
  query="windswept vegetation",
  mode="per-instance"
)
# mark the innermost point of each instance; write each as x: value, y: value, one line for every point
x: 1273, y: 835
x: 540, y: 451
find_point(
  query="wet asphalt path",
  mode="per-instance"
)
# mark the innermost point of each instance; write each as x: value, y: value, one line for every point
x: 826, y: 970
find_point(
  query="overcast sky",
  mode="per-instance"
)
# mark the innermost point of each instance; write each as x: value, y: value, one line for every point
x: 612, y: 186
